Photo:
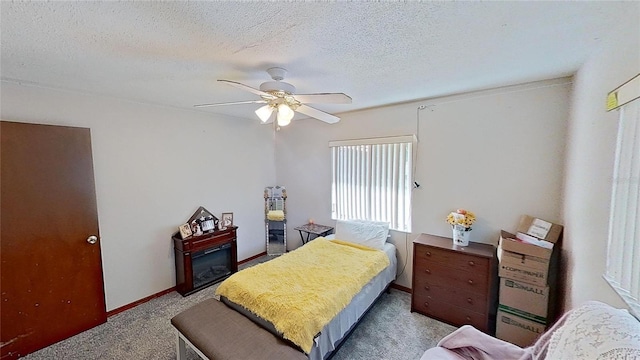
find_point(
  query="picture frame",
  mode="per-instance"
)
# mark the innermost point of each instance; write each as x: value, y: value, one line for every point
x: 185, y: 231
x: 200, y: 213
x: 227, y: 219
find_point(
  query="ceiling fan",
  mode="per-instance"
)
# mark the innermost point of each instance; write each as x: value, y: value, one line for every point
x: 280, y: 97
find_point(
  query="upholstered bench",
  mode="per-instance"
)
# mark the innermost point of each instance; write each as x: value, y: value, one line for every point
x: 217, y: 332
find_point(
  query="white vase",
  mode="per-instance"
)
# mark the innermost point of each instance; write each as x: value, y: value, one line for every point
x: 460, y: 236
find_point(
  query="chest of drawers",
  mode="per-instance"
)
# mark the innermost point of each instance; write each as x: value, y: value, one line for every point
x: 456, y: 285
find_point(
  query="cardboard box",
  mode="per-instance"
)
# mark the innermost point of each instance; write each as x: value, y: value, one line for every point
x: 518, y: 330
x: 539, y: 228
x: 509, y: 242
x: 525, y: 268
x: 532, y: 299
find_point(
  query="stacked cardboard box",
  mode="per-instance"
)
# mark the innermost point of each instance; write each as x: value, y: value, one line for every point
x: 527, y: 270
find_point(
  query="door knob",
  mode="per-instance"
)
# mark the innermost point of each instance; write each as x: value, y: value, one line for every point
x: 92, y: 239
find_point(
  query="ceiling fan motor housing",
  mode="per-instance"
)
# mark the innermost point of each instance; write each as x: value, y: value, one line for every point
x: 277, y: 86
x: 277, y: 74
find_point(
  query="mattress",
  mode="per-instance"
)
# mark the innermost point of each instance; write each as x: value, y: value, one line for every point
x: 331, y: 335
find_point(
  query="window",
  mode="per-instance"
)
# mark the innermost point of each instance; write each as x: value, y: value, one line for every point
x: 623, y: 260
x: 372, y: 180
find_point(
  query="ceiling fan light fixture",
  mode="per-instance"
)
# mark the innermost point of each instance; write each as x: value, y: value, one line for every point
x: 285, y: 114
x: 264, y: 113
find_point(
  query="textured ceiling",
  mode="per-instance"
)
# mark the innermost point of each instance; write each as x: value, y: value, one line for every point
x: 171, y: 53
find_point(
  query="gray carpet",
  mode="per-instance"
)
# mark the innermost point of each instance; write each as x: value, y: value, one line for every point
x: 389, y: 331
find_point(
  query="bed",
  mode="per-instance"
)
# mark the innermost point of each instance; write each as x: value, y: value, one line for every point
x: 319, y: 336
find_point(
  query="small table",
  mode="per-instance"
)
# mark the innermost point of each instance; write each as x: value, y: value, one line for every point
x: 315, y: 229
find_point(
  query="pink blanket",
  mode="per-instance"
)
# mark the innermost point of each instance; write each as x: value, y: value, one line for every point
x: 471, y: 344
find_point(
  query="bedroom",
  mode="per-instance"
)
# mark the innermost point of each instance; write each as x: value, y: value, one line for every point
x: 150, y: 160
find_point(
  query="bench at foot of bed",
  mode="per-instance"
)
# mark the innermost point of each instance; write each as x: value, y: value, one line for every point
x: 217, y: 332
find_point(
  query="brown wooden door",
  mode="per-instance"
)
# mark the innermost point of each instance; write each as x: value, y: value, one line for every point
x: 51, y: 276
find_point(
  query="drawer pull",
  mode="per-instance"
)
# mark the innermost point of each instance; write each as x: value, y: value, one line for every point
x: 428, y: 253
x: 468, y: 318
x: 427, y: 288
x: 470, y: 300
x: 426, y: 304
x: 428, y: 271
x: 470, y: 282
x: 471, y: 263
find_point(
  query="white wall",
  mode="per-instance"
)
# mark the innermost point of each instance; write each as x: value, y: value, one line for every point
x: 512, y: 137
x: 154, y: 167
x: 499, y: 153
x: 590, y: 158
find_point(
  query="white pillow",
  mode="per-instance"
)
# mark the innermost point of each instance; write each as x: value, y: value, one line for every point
x: 369, y: 233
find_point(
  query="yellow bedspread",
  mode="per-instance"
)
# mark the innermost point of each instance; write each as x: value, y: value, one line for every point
x: 301, y: 291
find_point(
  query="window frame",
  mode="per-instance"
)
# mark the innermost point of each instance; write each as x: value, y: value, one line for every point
x: 623, y: 248
x: 394, y: 170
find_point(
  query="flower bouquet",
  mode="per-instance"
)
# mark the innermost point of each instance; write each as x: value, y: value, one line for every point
x: 461, y: 221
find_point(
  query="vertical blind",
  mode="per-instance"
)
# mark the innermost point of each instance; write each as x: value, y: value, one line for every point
x: 623, y: 260
x: 372, y: 180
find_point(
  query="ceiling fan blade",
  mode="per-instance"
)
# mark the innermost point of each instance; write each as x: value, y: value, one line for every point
x: 318, y: 114
x: 323, y: 98
x: 233, y: 103
x: 249, y: 89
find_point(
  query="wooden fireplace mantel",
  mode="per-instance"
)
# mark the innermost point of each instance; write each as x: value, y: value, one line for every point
x: 184, y: 248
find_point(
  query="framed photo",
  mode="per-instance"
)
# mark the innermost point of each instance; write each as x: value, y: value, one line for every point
x: 227, y: 219
x: 201, y: 212
x: 185, y: 231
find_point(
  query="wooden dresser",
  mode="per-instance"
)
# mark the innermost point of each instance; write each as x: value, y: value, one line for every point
x: 456, y: 285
